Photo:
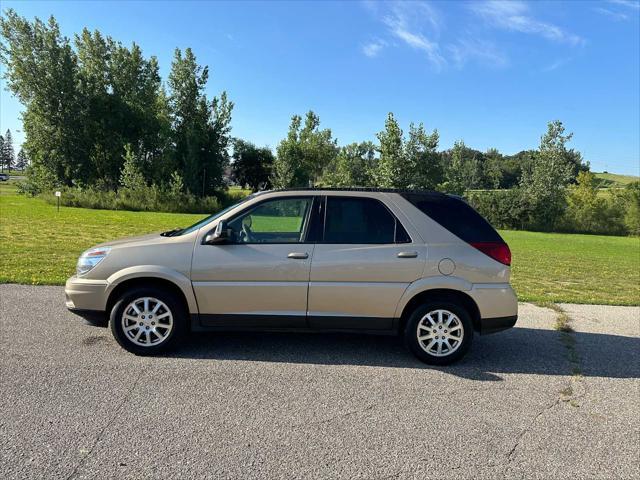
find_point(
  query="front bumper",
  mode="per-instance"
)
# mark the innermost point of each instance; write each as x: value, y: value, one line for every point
x: 87, y: 298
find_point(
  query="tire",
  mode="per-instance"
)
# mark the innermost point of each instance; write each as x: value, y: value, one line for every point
x: 426, y: 349
x: 159, y: 332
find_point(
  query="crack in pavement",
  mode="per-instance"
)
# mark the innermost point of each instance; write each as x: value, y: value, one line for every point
x: 528, y: 429
x: 575, y: 363
x: 110, y: 422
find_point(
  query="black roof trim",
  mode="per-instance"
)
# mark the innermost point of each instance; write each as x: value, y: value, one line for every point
x: 356, y: 189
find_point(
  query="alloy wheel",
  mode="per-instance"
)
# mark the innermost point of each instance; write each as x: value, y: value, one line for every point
x: 440, y: 333
x: 147, y: 321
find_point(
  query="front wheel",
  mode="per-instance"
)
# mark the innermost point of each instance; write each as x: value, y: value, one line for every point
x: 147, y: 321
x: 439, y: 333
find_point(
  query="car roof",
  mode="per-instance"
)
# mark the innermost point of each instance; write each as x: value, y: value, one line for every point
x: 354, y: 189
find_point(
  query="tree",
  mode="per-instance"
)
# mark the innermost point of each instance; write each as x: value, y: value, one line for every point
x: 423, y: 169
x: 1, y: 153
x: 304, y: 154
x: 200, y: 128
x: 131, y: 177
x: 8, y: 154
x: 251, y: 165
x: 22, y: 161
x: 632, y: 213
x: 83, y: 102
x: 391, y: 171
x: 41, y: 71
x: 463, y: 169
x: 122, y: 91
x: 544, y: 180
x: 354, y: 166
x: 584, y: 207
x: 491, y: 169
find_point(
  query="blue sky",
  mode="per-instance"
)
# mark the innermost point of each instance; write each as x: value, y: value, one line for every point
x: 490, y: 73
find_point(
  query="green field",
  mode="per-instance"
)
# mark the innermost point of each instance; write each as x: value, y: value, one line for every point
x: 40, y: 246
x: 606, y: 180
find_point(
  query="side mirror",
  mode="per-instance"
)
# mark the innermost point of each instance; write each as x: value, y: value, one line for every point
x: 222, y: 234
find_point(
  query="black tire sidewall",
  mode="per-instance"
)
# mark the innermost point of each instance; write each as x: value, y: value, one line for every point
x: 411, y: 338
x: 178, y: 311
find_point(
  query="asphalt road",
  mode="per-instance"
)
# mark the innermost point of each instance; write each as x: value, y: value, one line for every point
x: 75, y: 405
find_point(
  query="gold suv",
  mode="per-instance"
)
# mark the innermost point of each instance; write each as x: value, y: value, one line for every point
x: 422, y: 264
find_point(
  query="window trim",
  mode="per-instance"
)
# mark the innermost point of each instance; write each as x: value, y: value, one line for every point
x: 360, y: 197
x: 306, y: 225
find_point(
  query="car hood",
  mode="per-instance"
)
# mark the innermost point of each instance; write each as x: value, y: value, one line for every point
x: 128, y: 240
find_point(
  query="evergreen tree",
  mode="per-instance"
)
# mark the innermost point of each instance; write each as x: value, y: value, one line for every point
x: 22, y: 161
x: 8, y: 154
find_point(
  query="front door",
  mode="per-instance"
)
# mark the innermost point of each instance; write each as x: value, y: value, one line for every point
x: 362, y: 266
x: 260, y: 277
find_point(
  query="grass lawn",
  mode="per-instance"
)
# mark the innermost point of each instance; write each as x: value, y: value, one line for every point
x: 40, y: 246
x: 575, y: 268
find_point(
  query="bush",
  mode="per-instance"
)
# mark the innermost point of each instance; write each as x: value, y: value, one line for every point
x: 584, y: 209
x: 150, y: 199
x: 505, y: 209
x: 587, y: 212
x: 631, y: 198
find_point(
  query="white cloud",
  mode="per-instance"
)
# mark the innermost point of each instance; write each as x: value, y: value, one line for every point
x: 611, y: 14
x: 555, y: 65
x: 372, y: 49
x: 635, y: 4
x: 418, y: 25
x: 515, y: 16
x: 408, y: 22
x: 417, y: 40
x: 464, y: 50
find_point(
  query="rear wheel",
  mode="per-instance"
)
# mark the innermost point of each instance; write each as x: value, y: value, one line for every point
x: 439, y: 333
x: 147, y: 321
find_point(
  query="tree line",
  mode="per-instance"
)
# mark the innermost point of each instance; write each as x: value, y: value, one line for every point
x: 100, y: 122
x: 90, y: 100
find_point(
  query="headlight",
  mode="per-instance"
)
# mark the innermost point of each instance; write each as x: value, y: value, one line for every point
x: 90, y: 259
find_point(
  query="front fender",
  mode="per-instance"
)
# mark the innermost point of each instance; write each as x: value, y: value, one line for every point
x: 431, y: 283
x: 154, y: 271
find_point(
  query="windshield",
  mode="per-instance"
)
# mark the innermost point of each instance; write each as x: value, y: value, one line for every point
x: 206, y: 220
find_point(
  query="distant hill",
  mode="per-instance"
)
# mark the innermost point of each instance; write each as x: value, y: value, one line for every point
x: 614, y: 180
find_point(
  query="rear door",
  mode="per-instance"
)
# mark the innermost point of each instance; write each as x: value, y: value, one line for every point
x: 361, y: 266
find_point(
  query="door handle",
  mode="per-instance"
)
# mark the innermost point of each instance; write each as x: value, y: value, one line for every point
x: 407, y: 254
x: 298, y: 255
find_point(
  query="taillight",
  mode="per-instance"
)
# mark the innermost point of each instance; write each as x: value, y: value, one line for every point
x: 497, y: 250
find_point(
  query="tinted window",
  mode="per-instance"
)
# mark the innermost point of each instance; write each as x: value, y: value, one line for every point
x: 456, y: 216
x: 360, y: 220
x: 274, y: 221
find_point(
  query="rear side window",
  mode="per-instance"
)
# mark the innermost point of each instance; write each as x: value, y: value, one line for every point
x: 456, y: 216
x: 361, y: 221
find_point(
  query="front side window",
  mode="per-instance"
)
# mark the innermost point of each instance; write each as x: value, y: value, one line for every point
x: 281, y: 220
x: 361, y: 221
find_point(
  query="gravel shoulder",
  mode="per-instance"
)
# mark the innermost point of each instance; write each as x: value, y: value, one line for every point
x: 524, y: 403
